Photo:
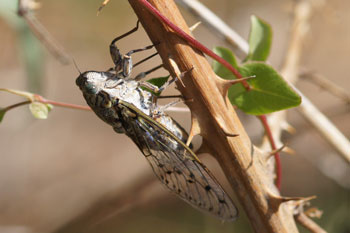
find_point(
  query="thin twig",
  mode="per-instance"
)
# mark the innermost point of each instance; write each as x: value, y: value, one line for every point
x: 38, y: 98
x: 241, y: 47
x: 16, y: 105
x: 327, y: 85
x: 306, y: 222
x: 177, y: 109
x: 61, y: 104
x: 24, y: 10
x: 324, y: 126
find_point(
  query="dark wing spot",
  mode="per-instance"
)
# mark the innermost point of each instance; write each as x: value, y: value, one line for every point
x: 211, y: 208
x: 167, y: 181
x: 192, y: 175
x: 207, y: 188
x: 169, y: 172
x: 161, y: 177
x: 179, y: 190
x: 222, y: 201
x: 190, y: 181
x: 160, y: 165
x: 178, y: 172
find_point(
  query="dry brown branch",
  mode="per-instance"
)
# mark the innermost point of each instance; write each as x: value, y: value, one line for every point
x: 239, y: 159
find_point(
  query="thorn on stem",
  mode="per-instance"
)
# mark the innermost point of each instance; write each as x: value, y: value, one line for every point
x: 105, y: 2
x: 194, y: 26
x: 226, y: 84
x: 177, y: 71
x: 231, y: 134
x: 298, y: 202
x: 273, y: 152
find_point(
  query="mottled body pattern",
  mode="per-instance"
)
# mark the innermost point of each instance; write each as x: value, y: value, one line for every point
x: 130, y: 110
x: 119, y: 101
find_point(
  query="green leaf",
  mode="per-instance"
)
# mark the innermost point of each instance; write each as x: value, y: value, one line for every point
x: 260, y: 38
x: 49, y: 107
x: 223, y: 72
x: 2, y: 113
x: 39, y: 110
x: 269, y: 92
x: 228, y: 56
x: 157, y: 82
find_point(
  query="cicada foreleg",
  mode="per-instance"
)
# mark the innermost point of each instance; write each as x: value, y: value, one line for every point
x: 114, y: 51
x: 122, y: 62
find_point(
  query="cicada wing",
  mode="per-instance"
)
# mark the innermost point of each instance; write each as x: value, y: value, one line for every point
x: 176, y: 166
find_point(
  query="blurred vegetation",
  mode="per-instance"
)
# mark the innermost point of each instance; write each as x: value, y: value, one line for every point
x: 29, y: 49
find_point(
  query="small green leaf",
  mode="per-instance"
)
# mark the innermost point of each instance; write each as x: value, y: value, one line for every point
x: 39, y: 110
x: 260, y: 38
x: 49, y: 107
x: 157, y: 82
x: 269, y: 92
x: 228, y: 56
x: 2, y: 113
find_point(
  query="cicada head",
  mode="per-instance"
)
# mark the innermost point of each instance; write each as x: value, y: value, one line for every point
x: 91, y: 82
x: 94, y: 85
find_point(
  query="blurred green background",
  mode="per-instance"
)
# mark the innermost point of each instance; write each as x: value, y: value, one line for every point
x: 72, y: 173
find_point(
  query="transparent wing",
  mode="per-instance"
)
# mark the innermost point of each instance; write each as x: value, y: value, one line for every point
x: 177, y: 167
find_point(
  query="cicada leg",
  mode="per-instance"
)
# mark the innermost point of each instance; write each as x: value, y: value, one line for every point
x: 126, y: 63
x: 114, y: 51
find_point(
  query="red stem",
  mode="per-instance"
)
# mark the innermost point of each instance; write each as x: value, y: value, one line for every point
x: 41, y: 99
x: 210, y: 53
x: 273, y: 146
x: 195, y: 43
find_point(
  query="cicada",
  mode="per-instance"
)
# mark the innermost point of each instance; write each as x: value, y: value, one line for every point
x: 119, y: 100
